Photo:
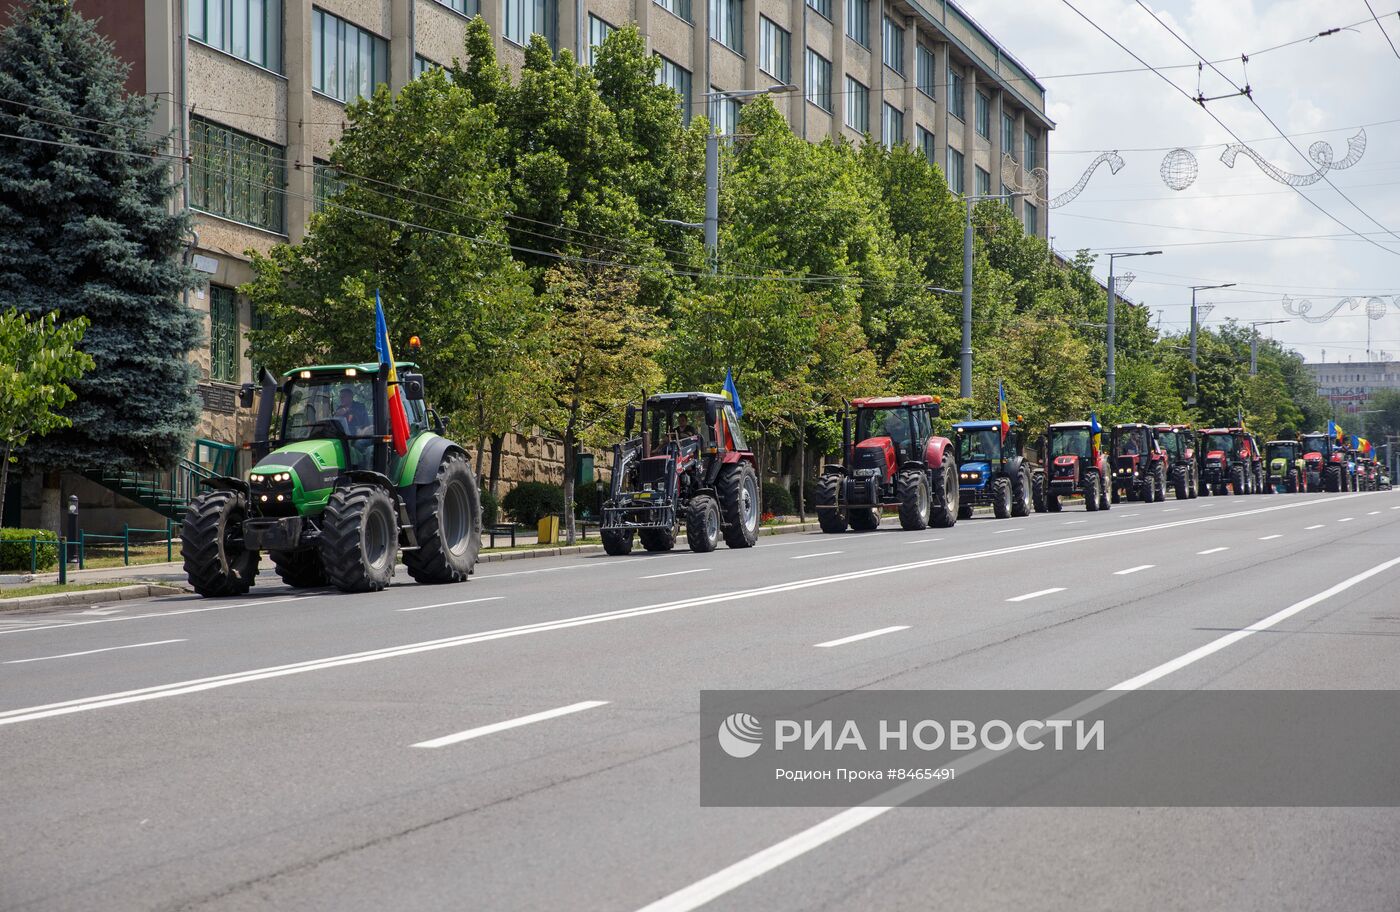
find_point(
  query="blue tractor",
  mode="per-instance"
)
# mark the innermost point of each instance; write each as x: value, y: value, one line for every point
x: 992, y: 470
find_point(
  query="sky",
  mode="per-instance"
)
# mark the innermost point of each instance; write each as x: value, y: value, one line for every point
x: 1231, y: 224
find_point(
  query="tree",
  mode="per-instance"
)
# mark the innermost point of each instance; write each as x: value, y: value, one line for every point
x: 87, y: 227
x: 38, y: 359
x: 603, y: 347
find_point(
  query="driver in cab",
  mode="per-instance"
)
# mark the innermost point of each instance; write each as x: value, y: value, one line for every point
x: 353, y: 411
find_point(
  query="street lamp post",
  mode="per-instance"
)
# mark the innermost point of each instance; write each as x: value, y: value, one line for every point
x: 1112, y: 318
x: 1194, y: 289
x: 1254, y: 343
x: 965, y: 386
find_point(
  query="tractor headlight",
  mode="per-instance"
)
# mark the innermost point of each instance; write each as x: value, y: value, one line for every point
x: 255, y: 479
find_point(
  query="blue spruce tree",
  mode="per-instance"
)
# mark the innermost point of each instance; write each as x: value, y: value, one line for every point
x: 88, y: 228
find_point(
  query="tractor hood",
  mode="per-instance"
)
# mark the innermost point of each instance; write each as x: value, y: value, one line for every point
x: 1278, y: 465
x: 974, y: 472
x: 312, y: 466
x: 875, y: 457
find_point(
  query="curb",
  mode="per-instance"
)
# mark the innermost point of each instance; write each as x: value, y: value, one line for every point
x: 89, y: 597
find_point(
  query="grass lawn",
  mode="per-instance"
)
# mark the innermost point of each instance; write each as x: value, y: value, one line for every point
x: 108, y: 554
x: 13, y: 592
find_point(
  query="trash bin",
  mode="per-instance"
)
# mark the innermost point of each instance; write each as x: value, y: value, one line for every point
x: 549, y: 530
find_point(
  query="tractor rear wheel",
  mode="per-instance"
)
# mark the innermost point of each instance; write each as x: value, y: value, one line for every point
x: 299, y: 569
x: 1291, y: 485
x: 864, y: 519
x: 830, y: 516
x: 1179, y: 482
x: 617, y: 542
x: 657, y: 539
x: 702, y: 524
x: 1332, y: 484
x: 1021, y: 493
x: 1159, y: 489
x: 211, y: 542
x: 1103, y: 492
x: 738, y: 500
x: 1091, y: 492
x: 447, y: 514
x: 1038, y: 484
x: 1001, y: 497
x: 913, y: 501
x: 359, y: 538
x: 945, y: 504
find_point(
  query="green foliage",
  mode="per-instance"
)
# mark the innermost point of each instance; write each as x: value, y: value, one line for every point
x: 92, y: 233
x: 490, y: 508
x: 530, y: 501
x: 778, y: 500
x: 18, y: 549
x: 1385, y: 419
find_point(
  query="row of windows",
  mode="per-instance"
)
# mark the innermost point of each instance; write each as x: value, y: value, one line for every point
x: 524, y: 18
x: 237, y: 176
x: 347, y: 62
x: 247, y: 29
x: 773, y: 49
x: 727, y: 23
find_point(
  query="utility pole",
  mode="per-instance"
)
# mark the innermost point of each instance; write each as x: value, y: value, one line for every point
x: 1194, y: 321
x: 965, y: 385
x: 1112, y: 318
x: 1254, y: 344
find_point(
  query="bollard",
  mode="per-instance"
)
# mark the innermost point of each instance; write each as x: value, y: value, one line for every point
x: 126, y: 544
x: 63, y: 561
x: 73, y: 530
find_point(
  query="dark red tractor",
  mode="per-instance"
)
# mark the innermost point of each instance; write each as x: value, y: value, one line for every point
x: 1072, y: 469
x: 1326, y: 464
x: 1233, y: 459
x: 890, y: 458
x: 689, y: 467
x: 1184, y: 457
x: 1139, y: 464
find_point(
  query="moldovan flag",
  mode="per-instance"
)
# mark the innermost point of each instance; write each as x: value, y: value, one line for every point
x: 1095, y: 436
x: 1365, y: 446
x: 732, y: 389
x: 398, y: 415
x: 1005, y: 419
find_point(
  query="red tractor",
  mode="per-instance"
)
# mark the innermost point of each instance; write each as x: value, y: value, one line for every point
x: 689, y: 467
x: 1179, y: 442
x: 1139, y: 464
x: 893, y: 460
x: 1232, y: 458
x: 1071, y: 468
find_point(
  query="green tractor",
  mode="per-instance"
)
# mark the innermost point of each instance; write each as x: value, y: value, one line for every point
x: 330, y: 498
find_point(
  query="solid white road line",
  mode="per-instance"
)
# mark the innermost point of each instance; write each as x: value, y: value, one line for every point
x: 1310, y: 528
x: 1374, y: 513
x: 1213, y: 550
x: 1133, y: 569
x: 1000, y: 531
x: 676, y: 573
x: 818, y: 554
x: 88, y: 652
x: 861, y: 636
x: 493, y: 598
x: 756, y: 865
x: 1075, y: 522
x: 1037, y: 594
x: 922, y: 541
x: 198, y: 685
x: 1126, y: 515
x: 1345, y: 519
x: 491, y: 729
x: 160, y: 614
x: 1270, y: 537
x: 595, y: 562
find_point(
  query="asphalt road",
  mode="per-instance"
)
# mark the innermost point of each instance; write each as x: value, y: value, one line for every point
x: 296, y: 750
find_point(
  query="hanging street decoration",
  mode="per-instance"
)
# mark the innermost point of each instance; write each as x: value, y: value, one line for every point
x: 1179, y: 169
x: 1375, y: 308
x: 1320, y: 153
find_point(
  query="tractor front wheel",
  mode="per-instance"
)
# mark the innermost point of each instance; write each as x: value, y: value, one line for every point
x: 1052, y: 503
x: 299, y: 569
x: 738, y: 501
x: 1038, y: 485
x: 1001, y: 497
x: 617, y: 542
x: 830, y: 516
x: 1021, y: 494
x: 657, y: 539
x: 1237, y: 480
x: 702, y: 524
x: 1179, y: 483
x: 211, y: 542
x: 864, y: 519
x: 447, y: 524
x: 1160, y: 489
x: 913, y: 501
x: 1091, y: 492
x: 359, y: 538
x: 946, y: 508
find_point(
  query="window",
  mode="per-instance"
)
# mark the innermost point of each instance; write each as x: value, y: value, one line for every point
x: 981, y: 181
x: 325, y: 183
x: 891, y: 126
x: 347, y: 62
x: 925, y: 140
x: 248, y: 29
x: 1008, y: 134
x: 1031, y: 150
x: 530, y: 17
x: 724, y: 114
x: 773, y: 45
x: 467, y: 8
x: 598, y: 32
x: 894, y: 45
x: 422, y: 65
x: 818, y: 80
x: 857, y: 106
x: 957, y: 105
x: 223, y: 334
x: 676, y: 77
x: 1032, y: 219
x: 924, y: 68
x: 727, y: 23
x: 983, y: 115
x: 823, y: 7
x: 955, y: 170
x: 237, y: 176
x: 679, y: 8
x: 858, y: 21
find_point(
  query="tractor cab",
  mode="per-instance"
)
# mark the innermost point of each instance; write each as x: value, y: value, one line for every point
x: 1178, y: 442
x: 888, y: 433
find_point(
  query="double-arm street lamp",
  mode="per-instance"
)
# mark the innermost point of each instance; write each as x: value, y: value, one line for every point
x: 1194, y: 322
x: 1112, y: 318
x: 711, y: 223
x: 965, y: 386
x: 1254, y: 343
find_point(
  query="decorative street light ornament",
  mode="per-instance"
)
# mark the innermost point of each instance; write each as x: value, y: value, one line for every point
x: 1320, y: 153
x: 1121, y: 283
x: 1179, y: 169
x: 1202, y: 310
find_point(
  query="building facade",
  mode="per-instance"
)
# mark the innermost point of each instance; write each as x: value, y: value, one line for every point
x: 1349, y: 385
x: 255, y: 91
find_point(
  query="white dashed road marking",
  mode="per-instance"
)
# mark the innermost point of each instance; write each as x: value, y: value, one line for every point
x: 1037, y: 594
x: 861, y: 636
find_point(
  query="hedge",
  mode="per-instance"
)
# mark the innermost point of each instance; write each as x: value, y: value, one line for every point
x: 777, y: 500
x: 16, y: 549
x: 490, y: 508
x: 530, y: 501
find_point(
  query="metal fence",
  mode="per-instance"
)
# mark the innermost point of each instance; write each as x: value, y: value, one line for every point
x: 93, y: 545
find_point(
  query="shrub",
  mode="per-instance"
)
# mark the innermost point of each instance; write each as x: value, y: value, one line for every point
x: 490, y: 508
x: 530, y: 501
x: 809, y: 495
x: 16, y: 550
x: 777, y: 500
x: 588, y: 501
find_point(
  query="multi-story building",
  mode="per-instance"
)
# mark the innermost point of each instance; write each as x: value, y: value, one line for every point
x: 1349, y: 385
x: 256, y: 91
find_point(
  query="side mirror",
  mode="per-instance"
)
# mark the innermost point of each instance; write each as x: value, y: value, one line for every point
x: 413, y: 387
x: 245, y: 395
